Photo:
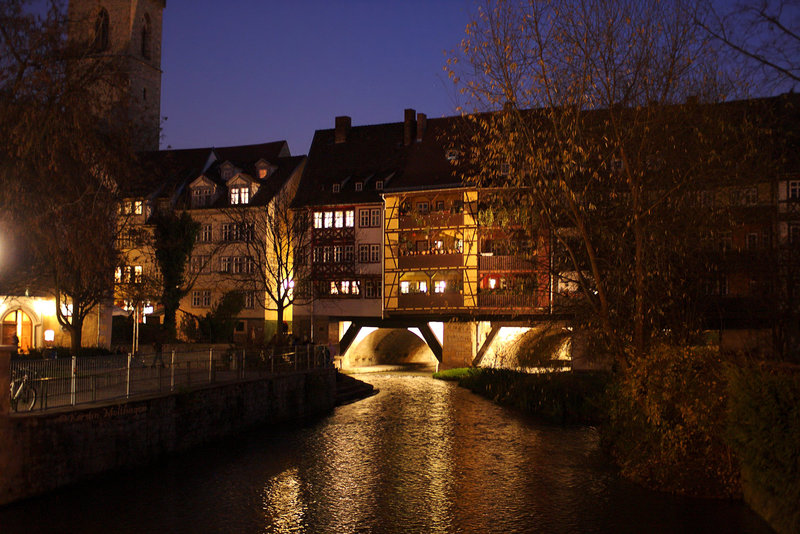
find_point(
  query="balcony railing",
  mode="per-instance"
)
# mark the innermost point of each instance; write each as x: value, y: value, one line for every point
x: 507, y: 300
x: 506, y: 263
x: 430, y: 261
x: 426, y: 301
x: 433, y: 219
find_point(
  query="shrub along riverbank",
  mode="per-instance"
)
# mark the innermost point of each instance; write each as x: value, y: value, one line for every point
x: 681, y: 420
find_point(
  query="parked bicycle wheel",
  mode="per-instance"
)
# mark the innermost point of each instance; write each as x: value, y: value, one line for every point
x: 25, y: 399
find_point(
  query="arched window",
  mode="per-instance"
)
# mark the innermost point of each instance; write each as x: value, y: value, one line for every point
x: 146, y: 37
x: 101, y: 32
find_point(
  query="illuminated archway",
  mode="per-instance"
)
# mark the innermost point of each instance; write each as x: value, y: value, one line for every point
x: 389, y: 346
x: 17, y: 323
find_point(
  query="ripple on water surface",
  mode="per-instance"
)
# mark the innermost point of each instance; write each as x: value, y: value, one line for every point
x: 421, y: 456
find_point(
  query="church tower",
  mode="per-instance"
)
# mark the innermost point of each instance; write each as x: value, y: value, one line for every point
x: 128, y: 31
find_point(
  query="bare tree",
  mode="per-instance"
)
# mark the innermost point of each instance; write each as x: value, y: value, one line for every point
x: 764, y: 36
x: 273, y: 245
x: 600, y: 110
x: 62, y: 157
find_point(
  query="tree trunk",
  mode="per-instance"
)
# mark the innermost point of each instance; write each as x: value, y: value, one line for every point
x: 170, y: 327
x: 279, y: 333
x: 639, y: 278
x: 75, y: 335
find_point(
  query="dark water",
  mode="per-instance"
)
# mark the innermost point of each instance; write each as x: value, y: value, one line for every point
x: 421, y: 456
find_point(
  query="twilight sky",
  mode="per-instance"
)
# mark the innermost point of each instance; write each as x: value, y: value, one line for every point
x: 253, y: 71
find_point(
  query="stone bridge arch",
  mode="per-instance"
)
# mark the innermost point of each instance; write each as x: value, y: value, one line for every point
x: 388, y: 346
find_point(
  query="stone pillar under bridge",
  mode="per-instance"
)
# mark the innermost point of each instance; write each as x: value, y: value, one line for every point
x: 459, y: 345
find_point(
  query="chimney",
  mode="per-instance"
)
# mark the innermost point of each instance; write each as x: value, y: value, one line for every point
x: 342, y: 129
x: 422, y: 123
x: 409, y: 127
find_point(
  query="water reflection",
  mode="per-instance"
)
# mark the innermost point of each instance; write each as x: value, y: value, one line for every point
x: 421, y: 456
x: 284, y: 509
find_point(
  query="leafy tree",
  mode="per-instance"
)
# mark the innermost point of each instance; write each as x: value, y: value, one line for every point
x: 217, y: 325
x: 173, y: 240
x: 601, y: 117
x: 62, y: 157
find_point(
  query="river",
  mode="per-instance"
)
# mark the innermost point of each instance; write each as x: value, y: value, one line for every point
x: 420, y: 456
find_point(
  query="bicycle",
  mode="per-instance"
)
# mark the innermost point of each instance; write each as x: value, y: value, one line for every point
x: 23, y: 394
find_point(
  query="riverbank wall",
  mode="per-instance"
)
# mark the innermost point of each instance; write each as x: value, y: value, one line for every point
x: 41, y: 452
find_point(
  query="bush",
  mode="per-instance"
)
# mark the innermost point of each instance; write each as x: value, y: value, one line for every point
x: 666, y: 423
x: 764, y: 430
x: 64, y: 352
x: 557, y: 397
x: 455, y: 375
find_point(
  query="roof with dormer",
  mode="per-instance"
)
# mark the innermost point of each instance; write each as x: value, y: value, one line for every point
x: 378, y: 153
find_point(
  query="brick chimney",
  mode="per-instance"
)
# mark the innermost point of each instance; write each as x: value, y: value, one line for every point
x: 409, y: 127
x: 422, y: 123
x: 342, y: 128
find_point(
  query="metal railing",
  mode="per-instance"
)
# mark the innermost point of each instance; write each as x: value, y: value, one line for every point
x: 68, y: 382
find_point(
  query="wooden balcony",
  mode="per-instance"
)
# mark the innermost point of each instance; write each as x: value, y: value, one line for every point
x: 434, y: 219
x: 506, y: 263
x: 430, y: 261
x: 426, y: 301
x: 507, y: 300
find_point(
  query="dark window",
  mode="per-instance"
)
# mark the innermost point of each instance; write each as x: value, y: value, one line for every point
x: 101, y: 32
x: 146, y: 32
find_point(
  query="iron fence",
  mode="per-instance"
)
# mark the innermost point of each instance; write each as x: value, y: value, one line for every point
x: 48, y: 384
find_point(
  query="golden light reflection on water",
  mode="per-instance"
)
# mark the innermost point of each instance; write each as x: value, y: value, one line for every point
x: 284, y: 508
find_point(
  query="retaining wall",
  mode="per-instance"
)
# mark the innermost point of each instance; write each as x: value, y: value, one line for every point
x: 44, y: 451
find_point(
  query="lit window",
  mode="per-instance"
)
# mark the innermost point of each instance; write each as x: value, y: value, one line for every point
x: 345, y: 287
x: 244, y: 195
x: 423, y: 287
x: 262, y: 173
x: 354, y: 288
x: 137, y: 274
x: 317, y: 219
x: 404, y: 288
x: 349, y: 218
x: 334, y: 289
x: 137, y: 207
x: 328, y: 219
x: 338, y: 218
x: 440, y: 285
x: 118, y: 275
x: 492, y: 283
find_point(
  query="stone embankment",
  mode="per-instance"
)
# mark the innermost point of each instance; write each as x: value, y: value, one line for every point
x: 42, y: 451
